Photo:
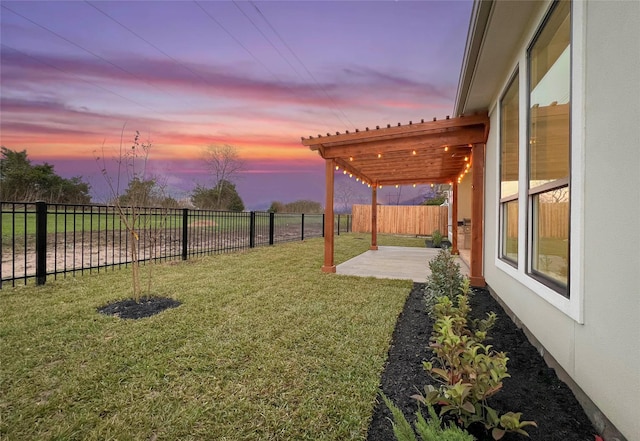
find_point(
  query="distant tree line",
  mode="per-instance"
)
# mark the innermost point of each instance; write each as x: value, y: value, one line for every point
x: 145, y: 193
x: 22, y: 181
x: 301, y: 206
x: 223, y: 196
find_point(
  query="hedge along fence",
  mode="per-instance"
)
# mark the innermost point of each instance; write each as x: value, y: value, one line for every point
x: 401, y: 219
x: 39, y: 240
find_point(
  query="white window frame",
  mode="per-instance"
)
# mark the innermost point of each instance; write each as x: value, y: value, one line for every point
x: 502, y: 201
x: 574, y: 305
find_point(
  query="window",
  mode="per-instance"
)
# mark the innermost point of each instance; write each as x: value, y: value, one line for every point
x: 509, y: 142
x: 549, y: 62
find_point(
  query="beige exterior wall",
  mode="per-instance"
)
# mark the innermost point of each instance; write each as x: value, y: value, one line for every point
x: 464, y: 197
x: 599, y: 347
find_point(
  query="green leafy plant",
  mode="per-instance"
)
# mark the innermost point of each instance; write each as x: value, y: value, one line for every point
x: 436, y: 237
x: 445, y: 279
x: 469, y: 372
x: 430, y: 430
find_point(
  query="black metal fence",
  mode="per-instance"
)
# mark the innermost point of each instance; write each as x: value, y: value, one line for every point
x: 39, y: 240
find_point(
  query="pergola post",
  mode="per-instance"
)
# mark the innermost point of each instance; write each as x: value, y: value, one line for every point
x: 329, y: 266
x: 477, y: 215
x: 374, y: 216
x: 454, y: 219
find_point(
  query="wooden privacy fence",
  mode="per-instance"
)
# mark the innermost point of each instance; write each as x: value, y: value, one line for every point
x: 401, y: 219
x: 553, y: 220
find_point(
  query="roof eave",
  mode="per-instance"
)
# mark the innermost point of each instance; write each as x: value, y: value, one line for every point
x: 477, y: 27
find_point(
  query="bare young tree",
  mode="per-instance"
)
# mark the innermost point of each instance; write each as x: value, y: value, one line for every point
x: 345, y: 195
x: 224, y: 164
x: 132, y: 203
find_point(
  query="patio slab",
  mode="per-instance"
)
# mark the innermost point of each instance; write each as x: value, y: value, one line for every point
x: 394, y: 263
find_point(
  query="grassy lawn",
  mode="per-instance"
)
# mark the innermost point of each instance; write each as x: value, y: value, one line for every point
x: 16, y: 224
x: 264, y: 347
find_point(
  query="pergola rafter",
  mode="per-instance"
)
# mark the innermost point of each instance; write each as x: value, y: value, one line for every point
x: 423, y: 153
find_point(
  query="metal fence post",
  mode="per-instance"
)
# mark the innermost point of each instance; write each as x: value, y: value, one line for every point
x: 338, y: 225
x: 41, y: 243
x: 252, y: 229
x: 323, y: 224
x: 185, y: 233
x: 302, y: 227
x: 272, y: 217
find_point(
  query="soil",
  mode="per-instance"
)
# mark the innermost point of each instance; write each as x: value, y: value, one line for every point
x: 533, y: 388
x: 146, y: 307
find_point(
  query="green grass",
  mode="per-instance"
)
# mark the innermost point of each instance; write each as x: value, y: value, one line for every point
x: 264, y: 347
x: 400, y: 240
x: 19, y: 223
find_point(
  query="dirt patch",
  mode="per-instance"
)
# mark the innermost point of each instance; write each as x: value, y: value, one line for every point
x: 533, y: 388
x: 146, y: 307
x: 202, y: 223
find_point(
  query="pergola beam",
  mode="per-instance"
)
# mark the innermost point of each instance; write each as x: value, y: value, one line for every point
x: 393, y: 132
x: 421, y: 142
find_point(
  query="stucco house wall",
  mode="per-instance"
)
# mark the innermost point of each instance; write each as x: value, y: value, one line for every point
x: 595, y: 338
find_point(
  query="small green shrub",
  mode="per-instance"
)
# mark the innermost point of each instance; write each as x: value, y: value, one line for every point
x: 468, y: 371
x: 430, y: 430
x: 445, y: 279
x: 436, y: 237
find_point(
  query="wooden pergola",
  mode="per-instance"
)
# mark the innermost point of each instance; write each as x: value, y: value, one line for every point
x: 429, y: 152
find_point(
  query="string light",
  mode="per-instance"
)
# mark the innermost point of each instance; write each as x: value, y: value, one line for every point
x: 351, y: 175
x: 466, y: 158
x: 350, y: 158
x: 446, y: 148
x: 414, y: 153
x: 337, y: 168
x: 396, y: 185
x: 414, y: 185
x: 379, y: 155
x: 344, y: 172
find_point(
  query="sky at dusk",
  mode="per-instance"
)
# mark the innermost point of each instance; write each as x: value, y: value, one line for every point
x: 256, y: 75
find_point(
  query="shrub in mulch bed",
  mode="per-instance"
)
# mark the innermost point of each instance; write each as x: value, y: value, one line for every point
x: 533, y: 388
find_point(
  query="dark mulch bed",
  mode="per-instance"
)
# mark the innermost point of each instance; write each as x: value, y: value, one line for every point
x: 146, y: 307
x: 533, y: 389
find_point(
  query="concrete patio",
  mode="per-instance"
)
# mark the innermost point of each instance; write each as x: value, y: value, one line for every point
x: 395, y: 263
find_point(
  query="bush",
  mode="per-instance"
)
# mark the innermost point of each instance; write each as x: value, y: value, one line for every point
x: 468, y: 371
x: 436, y: 237
x: 427, y: 430
x: 445, y: 279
